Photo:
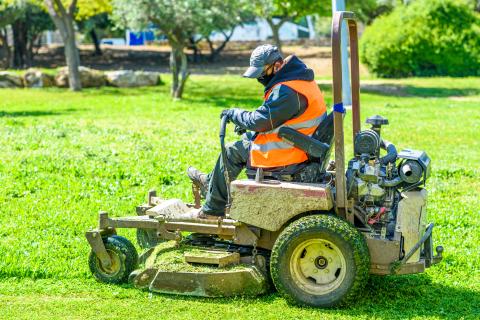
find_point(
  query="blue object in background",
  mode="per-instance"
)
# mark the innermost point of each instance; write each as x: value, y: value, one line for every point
x: 148, y: 36
x: 136, y: 38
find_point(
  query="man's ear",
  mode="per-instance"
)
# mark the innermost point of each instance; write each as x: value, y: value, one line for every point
x: 277, y: 66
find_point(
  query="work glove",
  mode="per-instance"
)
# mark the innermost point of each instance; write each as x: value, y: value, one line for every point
x: 239, y: 130
x: 228, y: 113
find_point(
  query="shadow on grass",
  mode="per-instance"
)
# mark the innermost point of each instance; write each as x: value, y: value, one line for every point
x: 414, y: 91
x: 137, y: 91
x: 226, y: 101
x: 391, y: 297
x: 34, y: 113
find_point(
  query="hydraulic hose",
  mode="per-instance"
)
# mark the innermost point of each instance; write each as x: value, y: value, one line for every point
x: 223, y: 128
x: 391, y: 155
x: 391, y: 183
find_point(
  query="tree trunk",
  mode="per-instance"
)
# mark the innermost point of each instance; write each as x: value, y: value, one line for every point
x: 5, y: 49
x: 73, y: 61
x: 63, y: 20
x: 214, y: 53
x: 276, y: 33
x: 96, y: 43
x: 183, y: 75
x: 19, y: 30
x: 179, y: 69
x: 196, y: 51
x: 174, y: 70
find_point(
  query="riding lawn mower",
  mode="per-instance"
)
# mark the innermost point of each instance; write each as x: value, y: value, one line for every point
x: 316, y: 243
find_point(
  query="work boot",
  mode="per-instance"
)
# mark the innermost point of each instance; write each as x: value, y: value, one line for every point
x: 199, y: 179
x: 203, y: 215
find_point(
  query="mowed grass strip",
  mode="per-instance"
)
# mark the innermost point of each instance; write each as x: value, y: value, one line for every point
x: 65, y: 156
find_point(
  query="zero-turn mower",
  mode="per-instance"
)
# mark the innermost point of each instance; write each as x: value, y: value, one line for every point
x: 316, y: 243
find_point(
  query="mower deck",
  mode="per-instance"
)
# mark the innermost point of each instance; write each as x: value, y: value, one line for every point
x: 177, y: 268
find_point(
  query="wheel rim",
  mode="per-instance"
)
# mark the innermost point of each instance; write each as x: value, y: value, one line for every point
x: 115, y: 264
x: 317, y: 266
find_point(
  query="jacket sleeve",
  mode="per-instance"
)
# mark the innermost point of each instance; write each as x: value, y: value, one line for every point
x: 283, y: 104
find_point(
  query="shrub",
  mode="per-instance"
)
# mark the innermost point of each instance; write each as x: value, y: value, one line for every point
x: 425, y: 38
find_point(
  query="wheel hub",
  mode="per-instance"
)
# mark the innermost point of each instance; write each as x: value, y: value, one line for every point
x: 317, y: 266
x: 321, y: 262
x: 114, y: 266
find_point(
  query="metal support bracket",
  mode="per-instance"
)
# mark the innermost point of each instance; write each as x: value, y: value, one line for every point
x: 95, y: 240
x: 427, y: 235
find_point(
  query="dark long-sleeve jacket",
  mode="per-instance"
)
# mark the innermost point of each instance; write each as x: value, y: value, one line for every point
x: 283, y: 103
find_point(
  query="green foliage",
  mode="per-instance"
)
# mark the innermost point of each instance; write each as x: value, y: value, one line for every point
x: 425, y: 38
x: 291, y: 9
x: 178, y: 20
x: 89, y: 8
x: 66, y: 155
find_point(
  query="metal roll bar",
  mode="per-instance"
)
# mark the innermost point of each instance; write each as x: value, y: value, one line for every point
x: 338, y: 107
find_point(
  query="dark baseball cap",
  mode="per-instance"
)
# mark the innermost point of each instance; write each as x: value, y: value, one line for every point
x: 262, y: 55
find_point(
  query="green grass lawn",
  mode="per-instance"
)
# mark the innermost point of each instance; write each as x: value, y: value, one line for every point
x: 64, y: 156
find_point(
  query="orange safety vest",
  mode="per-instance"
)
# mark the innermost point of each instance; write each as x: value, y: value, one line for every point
x: 268, y: 150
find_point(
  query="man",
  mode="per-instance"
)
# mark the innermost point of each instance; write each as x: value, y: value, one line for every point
x: 291, y: 98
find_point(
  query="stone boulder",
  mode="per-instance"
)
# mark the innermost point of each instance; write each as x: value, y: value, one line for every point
x: 34, y: 78
x: 10, y: 80
x: 145, y: 78
x: 129, y: 78
x: 89, y: 78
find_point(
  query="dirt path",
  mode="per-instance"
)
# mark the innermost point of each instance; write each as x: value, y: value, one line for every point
x: 233, y: 60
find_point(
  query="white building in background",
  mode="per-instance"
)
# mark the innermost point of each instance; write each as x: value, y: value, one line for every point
x: 259, y: 30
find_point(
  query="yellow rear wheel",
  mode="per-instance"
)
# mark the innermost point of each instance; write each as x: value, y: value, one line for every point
x: 320, y: 261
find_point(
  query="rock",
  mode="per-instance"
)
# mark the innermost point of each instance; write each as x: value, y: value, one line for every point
x: 10, y: 80
x: 121, y: 78
x: 144, y: 78
x: 129, y: 78
x: 34, y: 78
x: 88, y: 77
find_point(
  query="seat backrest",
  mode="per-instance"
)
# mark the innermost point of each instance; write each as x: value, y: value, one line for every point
x: 324, y: 134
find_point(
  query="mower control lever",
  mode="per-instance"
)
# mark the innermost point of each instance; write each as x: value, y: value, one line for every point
x: 223, y: 128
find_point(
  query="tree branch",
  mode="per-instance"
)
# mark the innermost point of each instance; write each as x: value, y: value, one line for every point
x: 60, y: 8
x: 72, y: 7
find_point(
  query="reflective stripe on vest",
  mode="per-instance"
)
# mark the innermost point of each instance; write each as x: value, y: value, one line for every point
x: 268, y: 150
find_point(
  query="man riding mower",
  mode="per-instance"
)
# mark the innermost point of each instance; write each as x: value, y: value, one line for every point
x: 293, y: 100
x: 315, y: 232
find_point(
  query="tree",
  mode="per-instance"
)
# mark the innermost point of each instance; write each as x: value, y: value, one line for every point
x: 93, y: 15
x: 63, y: 16
x: 369, y: 10
x: 178, y: 20
x: 8, y: 13
x: 221, y: 21
x: 31, y: 20
x: 27, y: 21
x: 277, y: 12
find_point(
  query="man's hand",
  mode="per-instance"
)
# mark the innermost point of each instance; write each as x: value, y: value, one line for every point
x: 228, y: 113
x: 239, y: 130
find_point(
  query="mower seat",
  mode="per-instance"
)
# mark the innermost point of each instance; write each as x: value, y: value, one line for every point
x: 318, y: 148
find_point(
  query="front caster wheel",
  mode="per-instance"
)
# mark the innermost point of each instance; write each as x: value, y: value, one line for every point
x: 124, y: 260
x: 320, y: 261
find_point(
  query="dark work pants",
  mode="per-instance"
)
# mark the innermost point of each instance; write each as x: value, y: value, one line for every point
x: 237, y: 157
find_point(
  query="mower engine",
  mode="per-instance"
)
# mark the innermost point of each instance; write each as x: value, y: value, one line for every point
x: 376, y: 183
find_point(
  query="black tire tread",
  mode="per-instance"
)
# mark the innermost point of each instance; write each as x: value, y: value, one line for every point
x: 357, y: 241
x: 128, y: 258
